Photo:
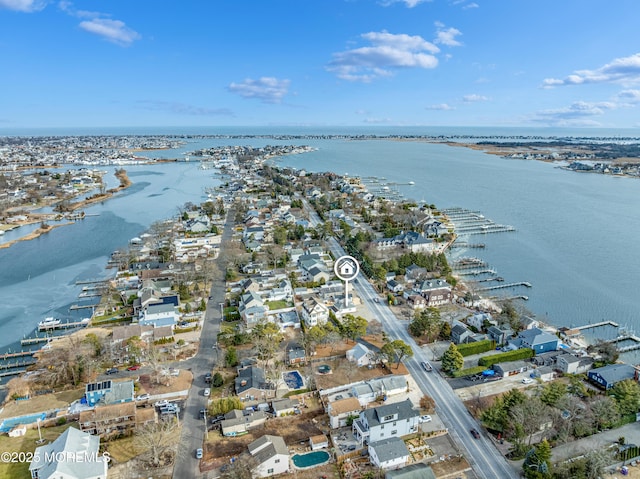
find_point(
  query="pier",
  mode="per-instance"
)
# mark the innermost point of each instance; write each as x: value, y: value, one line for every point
x: 468, y: 245
x: 597, y: 325
x: 67, y: 325
x: 503, y: 286
x: 18, y: 364
x: 469, y: 263
x: 476, y: 272
x: 18, y: 354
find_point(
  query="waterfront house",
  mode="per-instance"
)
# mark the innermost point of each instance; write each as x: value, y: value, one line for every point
x: 390, y: 420
x: 499, y: 334
x: 608, y: 376
x: 460, y: 334
x: 159, y: 315
x: 115, y: 419
x: 478, y: 320
x: 48, y: 460
x: 109, y: 392
x: 436, y: 291
x: 538, y: 340
x: 271, y: 455
x: 389, y: 453
x: 569, y: 364
x: 341, y: 410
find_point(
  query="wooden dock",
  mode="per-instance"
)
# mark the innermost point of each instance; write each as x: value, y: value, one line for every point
x: 503, y: 286
x: 598, y: 325
x: 18, y: 364
x: 67, y: 325
x: 18, y: 354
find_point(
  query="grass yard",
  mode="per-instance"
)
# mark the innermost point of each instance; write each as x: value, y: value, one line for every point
x: 26, y: 444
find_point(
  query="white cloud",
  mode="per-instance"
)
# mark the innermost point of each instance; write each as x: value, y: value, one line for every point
x: 629, y: 96
x: 624, y: 70
x: 408, y: 3
x: 184, y: 108
x: 23, y: 5
x: 576, y: 114
x: 441, y: 106
x: 267, y: 89
x: 474, y: 98
x: 113, y: 31
x: 447, y: 36
x: 387, y: 51
x: 470, y: 5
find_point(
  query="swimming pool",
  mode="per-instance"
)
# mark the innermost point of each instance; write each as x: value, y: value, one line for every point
x: 10, y: 423
x: 310, y: 459
x: 293, y: 379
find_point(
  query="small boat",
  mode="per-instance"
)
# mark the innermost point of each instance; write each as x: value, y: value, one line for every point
x: 49, y: 322
x: 412, y: 183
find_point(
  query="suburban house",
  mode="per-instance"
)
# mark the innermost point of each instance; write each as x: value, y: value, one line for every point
x: 570, y: 364
x: 115, y: 419
x: 314, y: 312
x: 389, y: 453
x: 478, y: 320
x: 418, y: 470
x: 538, y: 340
x: 159, y: 315
x: 296, y: 356
x: 284, y: 406
x: 510, y: 368
x: 416, y: 301
x: 391, y: 420
x: 436, y: 291
x: 252, y: 309
x: 341, y: 410
x: 271, y: 454
x: 499, y: 334
x: 460, y: 334
x: 360, y: 355
x: 236, y: 422
x: 608, y: 376
x: 109, y: 392
x: 252, y: 384
x: 48, y: 460
x: 368, y: 391
x: 394, y: 286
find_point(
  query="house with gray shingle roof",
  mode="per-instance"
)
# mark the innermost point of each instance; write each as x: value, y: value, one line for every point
x: 390, y: 420
x: 538, y: 340
x: 389, y: 453
x: 251, y: 382
x: 608, y: 376
x: 271, y: 454
x: 413, y: 471
x: 72, y: 443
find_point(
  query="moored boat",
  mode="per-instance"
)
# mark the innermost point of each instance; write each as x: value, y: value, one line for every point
x: 49, y: 322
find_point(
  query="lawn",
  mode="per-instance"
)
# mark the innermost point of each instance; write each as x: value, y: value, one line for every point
x: 26, y: 444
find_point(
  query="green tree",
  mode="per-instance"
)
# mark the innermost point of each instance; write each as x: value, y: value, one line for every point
x: 266, y: 338
x: 452, y: 360
x: 396, y: 350
x: 537, y: 463
x: 627, y: 396
x: 427, y: 322
x: 353, y: 327
x: 217, y: 380
x: 231, y: 357
x: 553, y: 392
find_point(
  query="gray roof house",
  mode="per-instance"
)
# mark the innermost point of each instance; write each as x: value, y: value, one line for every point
x: 538, y: 340
x: 271, y: 454
x: 251, y: 382
x: 389, y: 453
x: 413, y: 471
x: 460, y: 334
x: 390, y: 420
x: 46, y: 462
x: 608, y: 376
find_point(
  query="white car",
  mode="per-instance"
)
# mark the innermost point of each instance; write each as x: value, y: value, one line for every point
x: 162, y: 402
x: 425, y: 418
x: 143, y: 397
x: 527, y: 381
x: 207, y: 392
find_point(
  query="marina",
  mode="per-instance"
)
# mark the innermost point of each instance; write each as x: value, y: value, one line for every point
x: 49, y: 325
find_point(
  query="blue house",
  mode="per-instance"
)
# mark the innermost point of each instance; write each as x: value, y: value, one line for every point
x: 538, y: 340
x: 109, y: 392
x: 608, y: 376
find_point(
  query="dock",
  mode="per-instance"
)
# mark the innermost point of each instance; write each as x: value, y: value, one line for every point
x: 468, y: 245
x: 67, y: 325
x: 18, y: 364
x: 18, y: 354
x: 476, y: 272
x: 597, y: 325
x: 503, y: 286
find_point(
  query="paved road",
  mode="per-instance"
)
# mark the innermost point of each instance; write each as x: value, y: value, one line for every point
x: 194, y: 428
x: 487, y: 462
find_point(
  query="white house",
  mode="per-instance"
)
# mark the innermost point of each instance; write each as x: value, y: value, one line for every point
x: 389, y: 453
x: 159, y: 315
x: 360, y: 355
x: 271, y: 455
x: 383, y: 422
x: 48, y: 460
x: 314, y: 312
x: 341, y: 410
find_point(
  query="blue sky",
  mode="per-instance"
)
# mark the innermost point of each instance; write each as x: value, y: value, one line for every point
x: 563, y: 63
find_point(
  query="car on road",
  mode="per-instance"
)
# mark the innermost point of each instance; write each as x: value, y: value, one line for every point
x: 207, y: 392
x: 426, y: 366
x: 207, y: 378
x: 376, y: 300
x: 474, y: 432
x: 143, y: 397
x: 135, y: 367
x: 425, y: 418
x: 111, y: 371
x: 199, y: 453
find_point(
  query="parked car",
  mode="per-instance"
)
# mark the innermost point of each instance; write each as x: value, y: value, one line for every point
x: 207, y: 378
x: 143, y: 397
x: 475, y: 433
x: 207, y: 392
x: 135, y: 367
x: 527, y: 381
x: 199, y: 453
x: 161, y: 403
x: 174, y: 372
x: 425, y: 418
x: 111, y: 371
x: 217, y: 419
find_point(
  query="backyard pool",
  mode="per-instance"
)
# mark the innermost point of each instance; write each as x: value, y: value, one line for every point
x: 10, y: 423
x: 293, y: 380
x: 310, y: 459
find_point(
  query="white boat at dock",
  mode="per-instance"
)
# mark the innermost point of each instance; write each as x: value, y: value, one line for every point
x: 49, y: 322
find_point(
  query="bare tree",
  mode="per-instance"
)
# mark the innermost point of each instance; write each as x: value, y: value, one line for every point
x: 157, y: 440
